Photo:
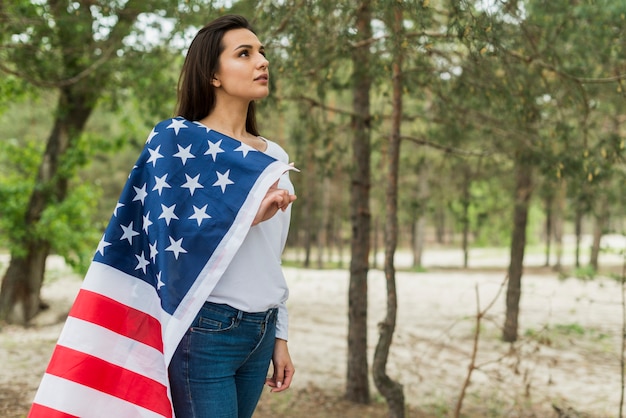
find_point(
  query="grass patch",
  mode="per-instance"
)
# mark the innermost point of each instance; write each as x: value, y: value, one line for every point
x: 560, y: 335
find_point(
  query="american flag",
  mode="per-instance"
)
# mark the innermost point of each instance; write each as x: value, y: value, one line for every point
x: 186, y: 207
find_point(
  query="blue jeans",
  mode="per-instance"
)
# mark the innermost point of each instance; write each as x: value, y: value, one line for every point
x: 220, y: 365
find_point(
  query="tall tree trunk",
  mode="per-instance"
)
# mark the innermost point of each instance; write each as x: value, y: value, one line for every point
x: 390, y: 389
x: 465, y: 217
x: 419, y: 221
x: 548, y: 204
x: 440, y: 224
x: 600, y: 221
x: 523, y: 191
x: 578, y: 231
x: 559, y: 217
x: 20, y: 294
x: 357, y: 385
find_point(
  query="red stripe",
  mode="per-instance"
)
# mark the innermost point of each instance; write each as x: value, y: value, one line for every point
x: 106, y: 377
x: 40, y: 411
x: 117, y: 317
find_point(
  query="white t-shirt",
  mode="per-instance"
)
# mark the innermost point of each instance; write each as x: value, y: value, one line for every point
x: 254, y: 280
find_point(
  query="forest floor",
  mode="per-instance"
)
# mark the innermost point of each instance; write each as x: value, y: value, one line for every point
x: 567, y: 356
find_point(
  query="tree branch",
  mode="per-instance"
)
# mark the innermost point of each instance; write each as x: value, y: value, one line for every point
x: 445, y: 148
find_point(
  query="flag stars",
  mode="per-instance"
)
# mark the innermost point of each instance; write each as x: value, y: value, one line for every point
x: 176, y: 247
x: 142, y: 263
x: 184, y: 154
x: 177, y: 125
x: 200, y: 214
x: 129, y: 233
x: 153, y: 251
x: 153, y: 133
x: 192, y: 184
x: 140, y: 193
x: 245, y: 149
x: 103, y: 244
x: 161, y: 184
x: 160, y: 282
x: 117, y: 206
x: 203, y: 126
x: 146, y: 222
x: 223, y: 180
x: 168, y: 213
x: 154, y: 155
x: 214, y: 149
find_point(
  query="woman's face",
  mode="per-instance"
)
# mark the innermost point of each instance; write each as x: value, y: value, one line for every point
x: 243, y: 69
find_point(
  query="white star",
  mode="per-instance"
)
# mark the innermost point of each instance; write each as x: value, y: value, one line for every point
x: 202, y: 126
x: 160, y: 282
x: 192, y: 184
x: 223, y: 180
x: 161, y: 183
x: 140, y: 193
x: 245, y: 149
x: 176, y: 247
x: 153, y: 251
x: 146, y: 222
x: 177, y: 125
x: 141, y: 262
x: 153, y: 133
x: 119, y: 205
x: 200, y: 214
x: 214, y: 149
x: 168, y: 213
x: 128, y: 233
x: 103, y: 244
x: 184, y: 154
x: 154, y: 155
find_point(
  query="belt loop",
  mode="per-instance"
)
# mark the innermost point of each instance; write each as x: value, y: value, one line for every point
x: 239, y: 316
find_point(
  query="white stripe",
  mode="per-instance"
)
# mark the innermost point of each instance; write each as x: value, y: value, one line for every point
x: 117, y: 285
x: 117, y: 349
x: 82, y: 401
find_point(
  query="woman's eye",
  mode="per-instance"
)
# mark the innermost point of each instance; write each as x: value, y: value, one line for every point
x: 244, y: 53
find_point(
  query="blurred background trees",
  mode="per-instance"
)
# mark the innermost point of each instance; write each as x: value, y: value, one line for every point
x: 512, y: 129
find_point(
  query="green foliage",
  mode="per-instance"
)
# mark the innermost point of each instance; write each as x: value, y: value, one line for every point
x: 18, y: 167
x: 585, y: 273
x: 559, y: 335
x: 68, y: 226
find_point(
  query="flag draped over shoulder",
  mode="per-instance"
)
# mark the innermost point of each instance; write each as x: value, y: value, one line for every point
x: 187, y: 206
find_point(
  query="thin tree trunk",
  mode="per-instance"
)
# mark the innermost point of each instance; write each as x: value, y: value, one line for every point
x: 601, y: 220
x: 465, y: 218
x: 419, y: 223
x: 578, y: 230
x: 390, y: 389
x: 548, y: 203
x: 440, y: 225
x: 523, y: 191
x: 357, y: 383
x: 558, y: 225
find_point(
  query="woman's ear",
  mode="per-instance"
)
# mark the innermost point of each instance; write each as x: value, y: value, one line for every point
x: 215, y: 82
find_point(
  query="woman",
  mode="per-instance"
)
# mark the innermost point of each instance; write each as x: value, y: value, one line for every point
x: 220, y: 365
x: 183, y: 306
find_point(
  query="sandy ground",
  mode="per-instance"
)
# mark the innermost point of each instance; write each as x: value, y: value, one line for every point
x: 568, y: 354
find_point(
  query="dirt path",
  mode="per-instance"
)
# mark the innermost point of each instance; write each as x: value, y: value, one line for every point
x: 568, y: 354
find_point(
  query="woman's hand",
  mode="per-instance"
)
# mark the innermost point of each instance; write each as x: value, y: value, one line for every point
x: 274, y: 200
x: 283, y: 367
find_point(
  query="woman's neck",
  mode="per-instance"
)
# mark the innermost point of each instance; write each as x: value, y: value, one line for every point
x: 231, y: 121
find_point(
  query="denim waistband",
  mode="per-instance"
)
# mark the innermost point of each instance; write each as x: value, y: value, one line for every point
x: 229, y: 310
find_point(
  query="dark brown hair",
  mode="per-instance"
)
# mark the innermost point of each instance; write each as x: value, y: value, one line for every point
x: 196, y: 94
